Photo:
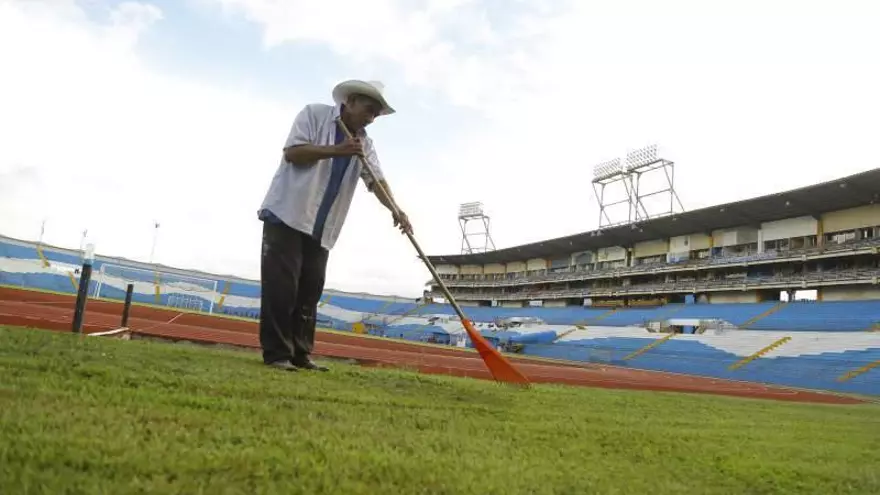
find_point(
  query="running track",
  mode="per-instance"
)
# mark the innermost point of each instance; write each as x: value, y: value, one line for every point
x: 55, y: 312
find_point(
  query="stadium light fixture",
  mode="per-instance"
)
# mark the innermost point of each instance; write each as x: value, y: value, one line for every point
x: 641, y: 157
x: 607, y: 169
x: 469, y: 210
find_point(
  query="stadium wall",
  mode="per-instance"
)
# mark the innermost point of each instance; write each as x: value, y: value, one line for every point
x: 733, y: 297
x: 848, y: 293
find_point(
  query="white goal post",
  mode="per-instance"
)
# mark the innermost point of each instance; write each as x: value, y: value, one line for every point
x: 161, y: 287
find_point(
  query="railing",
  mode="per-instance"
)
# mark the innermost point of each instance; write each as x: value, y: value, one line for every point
x: 656, y: 268
x: 803, y: 280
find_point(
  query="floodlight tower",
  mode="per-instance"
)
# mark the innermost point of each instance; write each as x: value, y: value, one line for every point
x: 470, y: 212
x: 645, y: 161
x: 608, y: 174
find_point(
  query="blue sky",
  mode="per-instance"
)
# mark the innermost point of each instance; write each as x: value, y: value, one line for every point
x: 197, y: 40
x: 176, y: 110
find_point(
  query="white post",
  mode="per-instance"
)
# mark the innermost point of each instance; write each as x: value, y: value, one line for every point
x: 213, y: 295
x: 155, y: 238
x: 100, y: 283
x: 82, y: 244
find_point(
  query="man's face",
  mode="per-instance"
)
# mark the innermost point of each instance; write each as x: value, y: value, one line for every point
x: 362, y: 110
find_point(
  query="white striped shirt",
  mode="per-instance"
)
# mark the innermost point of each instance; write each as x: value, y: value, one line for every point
x: 297, y: 193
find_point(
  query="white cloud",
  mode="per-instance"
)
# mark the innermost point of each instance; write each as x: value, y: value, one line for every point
x: 117, y: 145
x: 94, y: 139
x: 454, y: 46
x: 748, y: 99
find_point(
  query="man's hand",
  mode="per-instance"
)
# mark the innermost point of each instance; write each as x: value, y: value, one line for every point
x: 401, y: 221
x: 350, y: 147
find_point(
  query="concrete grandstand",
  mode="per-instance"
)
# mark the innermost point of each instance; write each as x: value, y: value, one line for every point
x: 822, y: 237
x: 696, y: 293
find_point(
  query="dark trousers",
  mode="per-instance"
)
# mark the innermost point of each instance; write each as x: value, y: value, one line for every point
x: 292, y: 270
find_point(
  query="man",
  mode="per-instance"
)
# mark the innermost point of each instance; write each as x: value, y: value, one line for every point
x: 303, y: 213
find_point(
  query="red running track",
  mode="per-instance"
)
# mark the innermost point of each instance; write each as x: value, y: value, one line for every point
x: 55, y: 312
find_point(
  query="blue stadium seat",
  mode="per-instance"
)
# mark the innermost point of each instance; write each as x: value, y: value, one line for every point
x: 362, y: 305
x: 735, y: 313
x: 12, y: 279
x: 832, y: 316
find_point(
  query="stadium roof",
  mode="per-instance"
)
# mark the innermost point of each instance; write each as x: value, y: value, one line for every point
x: 847, y: 192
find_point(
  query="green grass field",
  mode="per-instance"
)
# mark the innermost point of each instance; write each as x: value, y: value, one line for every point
x: 99, y: 415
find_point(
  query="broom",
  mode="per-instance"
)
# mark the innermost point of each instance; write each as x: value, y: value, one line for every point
x: 500, y: 368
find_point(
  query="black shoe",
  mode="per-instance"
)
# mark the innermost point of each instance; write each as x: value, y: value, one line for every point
x: 284, y: 365
x: 308, y: 364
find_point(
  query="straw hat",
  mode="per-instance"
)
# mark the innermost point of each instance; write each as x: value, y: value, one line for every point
x: 373, y: 89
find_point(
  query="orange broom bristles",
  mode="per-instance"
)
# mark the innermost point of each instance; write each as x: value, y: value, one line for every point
x: 502, y: 369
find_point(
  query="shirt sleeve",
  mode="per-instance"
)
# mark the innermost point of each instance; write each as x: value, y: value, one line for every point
x: 303, y: 130
x: 372, y: 159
